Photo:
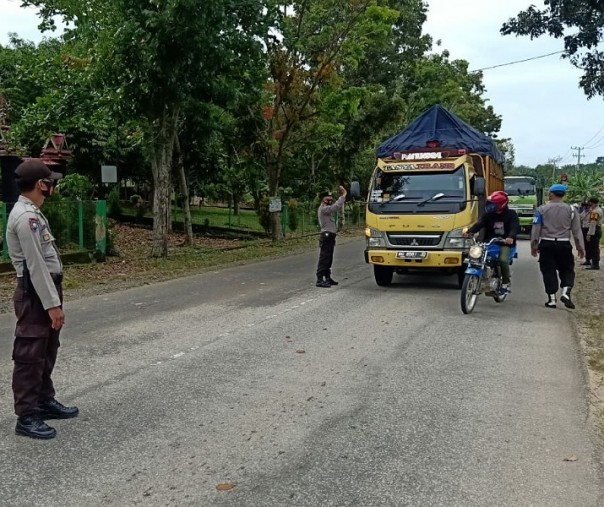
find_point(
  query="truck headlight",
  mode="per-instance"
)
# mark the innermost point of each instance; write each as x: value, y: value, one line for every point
x: 456, y: 240
x: 375, y: 238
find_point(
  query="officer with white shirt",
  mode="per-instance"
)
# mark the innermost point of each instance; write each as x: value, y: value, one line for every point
x: 553, y: 225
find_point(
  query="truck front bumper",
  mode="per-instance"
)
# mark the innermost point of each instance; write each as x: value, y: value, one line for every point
x: 434, y: 259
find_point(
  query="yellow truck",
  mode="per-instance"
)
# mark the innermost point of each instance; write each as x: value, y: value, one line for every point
x: 430, y: 182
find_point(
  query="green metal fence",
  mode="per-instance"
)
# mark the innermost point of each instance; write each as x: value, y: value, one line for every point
x: 76, y: 225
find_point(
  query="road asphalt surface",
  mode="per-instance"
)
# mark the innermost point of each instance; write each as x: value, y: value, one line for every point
x: 253, y: 379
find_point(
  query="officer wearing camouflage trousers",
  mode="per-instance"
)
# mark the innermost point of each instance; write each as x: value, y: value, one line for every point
x: 327, y: 239
x: 553, y: 225
x: 38, y: 303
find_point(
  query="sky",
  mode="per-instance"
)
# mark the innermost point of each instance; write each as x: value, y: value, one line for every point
x: 543, y: 110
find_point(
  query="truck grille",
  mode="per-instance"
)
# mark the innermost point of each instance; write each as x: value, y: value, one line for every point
x: 412, y: 239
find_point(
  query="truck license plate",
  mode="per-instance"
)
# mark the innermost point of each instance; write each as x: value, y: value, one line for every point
x: 411, y: 255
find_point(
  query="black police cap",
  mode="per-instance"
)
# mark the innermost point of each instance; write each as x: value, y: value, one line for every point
x: 35, y: 169
x: 325, y: 194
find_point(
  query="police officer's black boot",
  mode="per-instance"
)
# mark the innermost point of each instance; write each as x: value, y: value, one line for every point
x: 593, y: 266
x: 322, y: 281
x: 565, y: 298
x: 52, y: 409
x: 32, y: 425
x: 551, y: 301
x: 332, y: 281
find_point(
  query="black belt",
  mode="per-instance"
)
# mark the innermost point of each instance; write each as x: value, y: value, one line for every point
x: 57, y: 278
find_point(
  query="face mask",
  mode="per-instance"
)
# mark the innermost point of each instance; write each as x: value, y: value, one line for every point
x: 50, y: 188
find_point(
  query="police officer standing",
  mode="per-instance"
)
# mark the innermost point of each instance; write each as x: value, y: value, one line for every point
x: 593, y: 234
x: 553, y: 225
x: 327, y: 239
x: 38, y: 303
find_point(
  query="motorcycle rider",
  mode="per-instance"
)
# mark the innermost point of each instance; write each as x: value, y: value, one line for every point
x: 499, y: 221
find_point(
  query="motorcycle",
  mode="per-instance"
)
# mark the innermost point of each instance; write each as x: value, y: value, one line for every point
x: 483, y: 274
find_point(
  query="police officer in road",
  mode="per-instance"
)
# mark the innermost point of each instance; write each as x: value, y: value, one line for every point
x: 593, y: 220
x: 553, y: 225
x: 38, y: 303
x: 327, y: 239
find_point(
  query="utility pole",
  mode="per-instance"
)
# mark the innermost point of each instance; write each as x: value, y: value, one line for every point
x: 579, y: 149
x: 554, y: 161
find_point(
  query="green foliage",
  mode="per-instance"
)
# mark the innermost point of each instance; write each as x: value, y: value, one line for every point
x: 584, y: 185
x: 258, y: 94
x: 64, y: 218
x: 114, y: 207
x: 75, y: 186
x: 580, y: 23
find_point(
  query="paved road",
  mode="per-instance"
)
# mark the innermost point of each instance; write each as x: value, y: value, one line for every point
x: 398, y: 399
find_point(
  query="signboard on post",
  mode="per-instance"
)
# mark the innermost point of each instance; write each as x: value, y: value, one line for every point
x: 274, y: 205
x: 109, y: 174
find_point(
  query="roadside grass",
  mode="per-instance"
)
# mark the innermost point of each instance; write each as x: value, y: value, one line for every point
x: 595, y: 342
x: 590, y: 327
x: 181, y: 261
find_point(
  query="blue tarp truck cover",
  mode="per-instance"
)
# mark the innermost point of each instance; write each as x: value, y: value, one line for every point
x: 438, y: 124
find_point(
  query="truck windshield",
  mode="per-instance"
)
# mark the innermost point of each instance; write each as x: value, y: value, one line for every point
x: 391, y: 188
x: 520, y: 186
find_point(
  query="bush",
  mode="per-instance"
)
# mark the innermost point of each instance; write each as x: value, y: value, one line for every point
x: 264, y: 215
x: 76, y: 186
x: 139, y: 206
x: 356, y: 213
x: 63, y: 217
x: 292, y: 214
x: 114, y: 207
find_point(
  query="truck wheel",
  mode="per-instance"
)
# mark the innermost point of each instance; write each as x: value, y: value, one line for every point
x: 383, y: 275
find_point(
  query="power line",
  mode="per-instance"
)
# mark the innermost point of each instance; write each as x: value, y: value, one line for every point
x: 601, y: 143
x: 590, y: 139
x: 518, y: 61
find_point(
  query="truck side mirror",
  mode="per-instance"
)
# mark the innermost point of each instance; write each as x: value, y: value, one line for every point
x: 479, y: 186
x: 355, y: 189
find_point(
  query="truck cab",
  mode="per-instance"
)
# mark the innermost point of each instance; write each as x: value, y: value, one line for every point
x: 524, y: 199
x: 429, y: 184
x: 417, y: 210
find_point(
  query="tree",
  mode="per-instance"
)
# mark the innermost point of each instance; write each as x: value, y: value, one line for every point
x: 580, y: 23
x: 49, y: 89
x: 158, y: 56
x: 314, y: 42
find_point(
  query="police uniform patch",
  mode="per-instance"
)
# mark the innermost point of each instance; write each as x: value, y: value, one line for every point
x: 34, y: 224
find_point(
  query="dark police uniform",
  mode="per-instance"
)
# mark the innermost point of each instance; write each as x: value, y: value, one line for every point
x: 553, y: 224
x: 327, y: 239
x: 34, y: 255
